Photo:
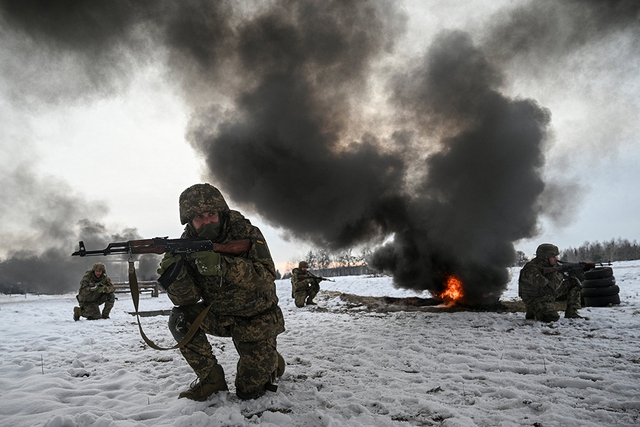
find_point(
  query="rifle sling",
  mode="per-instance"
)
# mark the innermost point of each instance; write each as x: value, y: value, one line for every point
x: 135, y: 296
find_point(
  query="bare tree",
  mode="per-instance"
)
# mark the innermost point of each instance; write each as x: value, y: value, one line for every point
x: 521, y: 258
x: 613, y: 250
x: 324, y: 259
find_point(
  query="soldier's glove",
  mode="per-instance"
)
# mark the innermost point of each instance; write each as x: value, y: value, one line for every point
x: 171, y: 269
x: 101, y: 288
x: 168, y: 259
x: 208, y: 263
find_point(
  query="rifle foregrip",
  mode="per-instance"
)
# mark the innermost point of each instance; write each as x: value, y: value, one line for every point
x: 150, y: 249
x: 234, y: 247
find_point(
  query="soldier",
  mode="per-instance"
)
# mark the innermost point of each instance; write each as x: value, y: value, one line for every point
x: 95, y: 289
x: 539, y: 291
x: 239, y: 292
x: 305, y: 286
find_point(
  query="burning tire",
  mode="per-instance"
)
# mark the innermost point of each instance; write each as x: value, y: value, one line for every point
x: 599, y: 283
x: 602, y: 301
x: 600, y: 292
x: 599, y: 273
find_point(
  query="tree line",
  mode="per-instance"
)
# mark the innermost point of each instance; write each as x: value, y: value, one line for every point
x: 609, y: 251
x: 325, y: 263
x: 351, y: 262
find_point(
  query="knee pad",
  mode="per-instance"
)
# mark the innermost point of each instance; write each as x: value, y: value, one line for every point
x: 178, y: 324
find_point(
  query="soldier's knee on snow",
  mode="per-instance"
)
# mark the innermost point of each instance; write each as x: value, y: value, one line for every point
x: 248, y: 396
x: 178, y: 324
x: 549, y: 316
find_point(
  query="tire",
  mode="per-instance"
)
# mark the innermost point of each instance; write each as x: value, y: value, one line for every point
x: 602, y: 301
x: 599, y: 283
x: 600, y: 292
x: 599, y: 273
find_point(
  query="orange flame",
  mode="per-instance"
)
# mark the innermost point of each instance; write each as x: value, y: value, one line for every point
x: 453, y: 291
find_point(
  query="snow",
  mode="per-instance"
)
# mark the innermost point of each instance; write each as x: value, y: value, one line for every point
x: 346, y: 366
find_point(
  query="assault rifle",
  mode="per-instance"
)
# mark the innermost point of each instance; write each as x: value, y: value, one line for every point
x: 576, y: 269
x: 319, y: 278
x: 160, y: 245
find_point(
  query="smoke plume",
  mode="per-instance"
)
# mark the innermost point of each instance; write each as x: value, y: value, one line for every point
x: 447, y: 169
x: 43, y: 222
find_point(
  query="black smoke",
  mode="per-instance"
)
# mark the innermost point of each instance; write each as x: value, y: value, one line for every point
x: 48, y: 221
x: 448, y: 169
x: 480, y: 190
x: 457, y: 211
x: 286, y: 148
x: 545, y: 31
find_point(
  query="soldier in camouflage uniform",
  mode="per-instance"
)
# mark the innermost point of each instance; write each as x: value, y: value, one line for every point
x: 539, y: 291
x: 305, y: 286
x: 241, y: 293
x: 95, y: 289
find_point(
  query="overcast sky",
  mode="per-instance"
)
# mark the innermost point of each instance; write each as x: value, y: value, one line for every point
x: 115, y: 143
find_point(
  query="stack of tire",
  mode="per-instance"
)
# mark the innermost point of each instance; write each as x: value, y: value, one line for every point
x: 600, y: 289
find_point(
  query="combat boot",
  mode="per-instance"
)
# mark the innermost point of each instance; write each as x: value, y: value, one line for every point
x: 76, y: 313
x: 572, y: 313
x: 202, y: 388
x: 529, y: 315
x: 310, y: 301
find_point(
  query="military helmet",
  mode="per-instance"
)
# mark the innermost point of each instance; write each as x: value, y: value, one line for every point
x: 99, y: 266
x: 547, y: 250
x: 303, y: 264
x: 198, y: 199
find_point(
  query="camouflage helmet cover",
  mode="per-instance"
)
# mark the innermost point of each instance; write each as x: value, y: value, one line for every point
x: 99, y: 266
x: 303, y: 264
x: 200, y: 198
x: 547, y: 250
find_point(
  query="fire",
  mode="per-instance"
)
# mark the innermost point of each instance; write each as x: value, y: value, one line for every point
x: 453, y: 291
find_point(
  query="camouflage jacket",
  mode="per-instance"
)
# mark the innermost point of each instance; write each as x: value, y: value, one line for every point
x: 88, y: 292
x: 301, y: 279
x: 246, y: 287
x: 534, y: 284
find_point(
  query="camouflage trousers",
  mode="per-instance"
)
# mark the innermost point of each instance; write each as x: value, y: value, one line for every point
x: 91, y: 310
x: 254, y: 339
x: 543, y: 308
x: 305, y: 294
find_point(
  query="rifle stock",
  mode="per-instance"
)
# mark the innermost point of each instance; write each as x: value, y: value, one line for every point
x: 160, y: 245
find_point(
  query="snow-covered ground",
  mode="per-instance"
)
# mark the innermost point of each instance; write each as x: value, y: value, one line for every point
x: 345, y: 366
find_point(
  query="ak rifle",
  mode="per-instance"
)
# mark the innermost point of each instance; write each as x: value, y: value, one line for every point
x: 319, y: 278
x: 576, y: 269
x: 160, y: 245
